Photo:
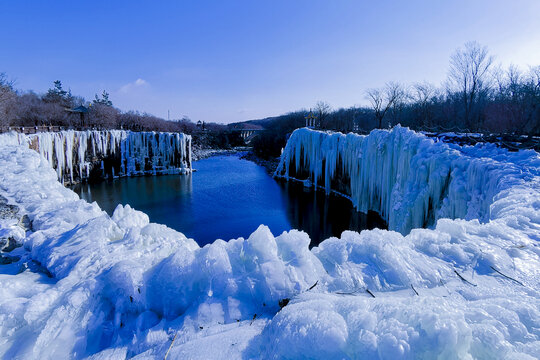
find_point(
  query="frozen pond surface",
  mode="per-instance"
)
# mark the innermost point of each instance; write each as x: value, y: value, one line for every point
x: 228, y: 197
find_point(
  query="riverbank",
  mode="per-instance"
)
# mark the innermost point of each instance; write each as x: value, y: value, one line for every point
x: 203, y: 153
x: 269, y: 165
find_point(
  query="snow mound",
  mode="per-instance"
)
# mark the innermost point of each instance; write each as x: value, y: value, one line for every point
x: 93, y: 286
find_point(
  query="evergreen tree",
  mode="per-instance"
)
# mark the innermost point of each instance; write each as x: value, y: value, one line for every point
x: 58, y: 95
x: 104, y: 99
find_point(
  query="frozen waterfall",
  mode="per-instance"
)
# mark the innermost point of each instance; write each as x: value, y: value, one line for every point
x: 74, y: 154
x: 410, y: 180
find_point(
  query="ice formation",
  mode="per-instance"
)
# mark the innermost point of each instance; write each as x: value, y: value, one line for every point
x: 74, y: 153
x: 409, y: 179
x: 121, y: 287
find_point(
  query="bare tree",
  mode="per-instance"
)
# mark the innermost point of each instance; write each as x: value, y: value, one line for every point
x: 513, y: 94
x: 7, y: 97
x: 422, y: 95
x: 322, y: 110
x: 6, y: 86
x: 469, y: 76
x: 383, y: 100
x: 531, y: 98
x: 516, y: 104
x: 30, y: 110
x: 400, y: 94
x: 102, y: 116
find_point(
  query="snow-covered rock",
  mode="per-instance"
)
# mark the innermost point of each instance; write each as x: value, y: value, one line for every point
x: 121, y: 287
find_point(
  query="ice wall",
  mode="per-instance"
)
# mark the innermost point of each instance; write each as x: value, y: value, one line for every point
x: 409, y: 179
x: 73, y: 154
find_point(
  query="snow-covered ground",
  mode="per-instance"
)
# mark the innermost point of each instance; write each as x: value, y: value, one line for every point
x: 90, y: 285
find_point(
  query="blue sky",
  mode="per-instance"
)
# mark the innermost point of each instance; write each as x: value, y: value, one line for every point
x: 228, y: 61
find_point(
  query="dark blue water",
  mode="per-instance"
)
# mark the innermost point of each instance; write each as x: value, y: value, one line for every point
x: 228, y: 197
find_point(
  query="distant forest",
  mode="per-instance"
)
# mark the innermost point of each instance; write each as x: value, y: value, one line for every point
x: 52, y: 109
x: 477, y: 96
x: 56, y: 108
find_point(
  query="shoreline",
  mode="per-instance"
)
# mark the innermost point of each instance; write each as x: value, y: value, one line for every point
x: 269, y: 165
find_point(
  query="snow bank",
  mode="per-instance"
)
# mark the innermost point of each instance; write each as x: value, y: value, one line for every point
x: 74, y: 153
x: 410, y: 180
x: 122, y: 287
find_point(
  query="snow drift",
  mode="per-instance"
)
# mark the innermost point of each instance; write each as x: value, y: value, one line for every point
x: 118, y: 287
x: 124, y: 153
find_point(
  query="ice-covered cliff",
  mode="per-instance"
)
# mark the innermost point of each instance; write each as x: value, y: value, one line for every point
x: 110, y: 153
x: 409, y: 179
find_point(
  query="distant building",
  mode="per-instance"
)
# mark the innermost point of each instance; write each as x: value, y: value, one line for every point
x: 356, y: 125
x: 81, y: 110
x: 247, y: 131
x: 311, y: 120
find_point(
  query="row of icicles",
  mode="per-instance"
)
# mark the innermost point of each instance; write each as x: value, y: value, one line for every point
x: 74, y: 153
x: 410, y: 180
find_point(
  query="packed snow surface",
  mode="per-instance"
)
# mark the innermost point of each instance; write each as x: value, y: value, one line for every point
x: 92, y: 286
x: 73, y: 153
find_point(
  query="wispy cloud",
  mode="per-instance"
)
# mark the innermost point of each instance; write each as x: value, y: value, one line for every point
x: 139, y: 83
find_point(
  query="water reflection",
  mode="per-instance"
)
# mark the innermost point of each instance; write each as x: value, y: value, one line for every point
x: 229, y: 197
x: 323, y: 216
x: 161, y: 197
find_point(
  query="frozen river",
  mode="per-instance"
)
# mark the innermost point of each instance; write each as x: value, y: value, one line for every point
x: 228, y: 197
